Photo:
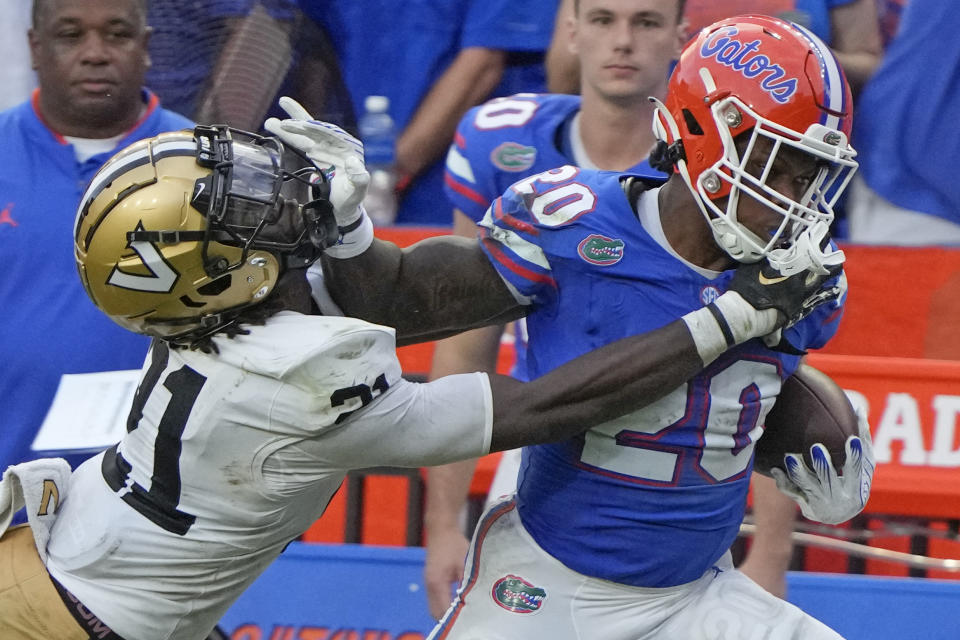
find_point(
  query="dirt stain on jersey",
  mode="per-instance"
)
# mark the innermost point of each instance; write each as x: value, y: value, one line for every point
x: 359, y: 352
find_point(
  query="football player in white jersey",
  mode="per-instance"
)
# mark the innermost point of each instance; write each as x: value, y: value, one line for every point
x: 252, y: 404
x: 622, y: 533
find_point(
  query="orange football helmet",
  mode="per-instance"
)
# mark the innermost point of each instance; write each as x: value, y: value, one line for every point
x: 742, y: 80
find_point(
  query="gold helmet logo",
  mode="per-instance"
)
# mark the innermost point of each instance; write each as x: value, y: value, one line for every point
x: 177, y: 234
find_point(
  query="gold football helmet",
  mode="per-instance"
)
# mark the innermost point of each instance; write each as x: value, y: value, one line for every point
x: 176, y: 235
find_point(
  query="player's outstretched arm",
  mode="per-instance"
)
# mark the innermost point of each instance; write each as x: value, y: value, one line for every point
x: 630, y: 373
x: 431, y: 290
x: 444, y: 285
x: 599, y: 386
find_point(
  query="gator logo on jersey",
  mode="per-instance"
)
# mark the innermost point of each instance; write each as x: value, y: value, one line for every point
x: 601, y: 250
x: 513, y: 593
x: 510, y: 156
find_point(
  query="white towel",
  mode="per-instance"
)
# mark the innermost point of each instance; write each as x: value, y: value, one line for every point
x: 40, y: 485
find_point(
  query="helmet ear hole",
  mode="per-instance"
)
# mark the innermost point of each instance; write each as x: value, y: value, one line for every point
x: 216, y: 287
x: 692, y: 125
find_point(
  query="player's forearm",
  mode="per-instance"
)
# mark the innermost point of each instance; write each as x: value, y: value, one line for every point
x: 447, y: 489
x: 469, y: 79
x: 607, y: 383
x: 626, y: 375
x: 431, y: 290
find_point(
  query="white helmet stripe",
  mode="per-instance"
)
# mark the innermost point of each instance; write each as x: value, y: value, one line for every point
x: 104, y: 178
x: 833, y: 78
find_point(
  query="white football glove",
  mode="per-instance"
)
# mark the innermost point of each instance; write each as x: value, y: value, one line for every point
x: 327, y: 145
x: 823, y: 495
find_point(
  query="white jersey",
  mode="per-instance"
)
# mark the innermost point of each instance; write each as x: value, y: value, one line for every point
x: 230, y: 456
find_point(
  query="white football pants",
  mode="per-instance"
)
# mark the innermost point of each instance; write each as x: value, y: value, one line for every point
x: 514, y: 590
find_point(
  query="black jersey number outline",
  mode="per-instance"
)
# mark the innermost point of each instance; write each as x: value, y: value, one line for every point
x: 159, y: 503
x: 362, y: 391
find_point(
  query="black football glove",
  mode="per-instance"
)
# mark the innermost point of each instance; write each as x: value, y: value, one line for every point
x: 794, y: 281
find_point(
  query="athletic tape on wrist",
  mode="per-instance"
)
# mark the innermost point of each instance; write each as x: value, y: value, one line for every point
x: 355, y: 238
x: 725, y: 322
x: 722, y: 323
x: 708, y: 336
x: 745, y: 322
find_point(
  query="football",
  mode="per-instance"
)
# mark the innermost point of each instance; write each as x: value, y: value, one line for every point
x: 811, y: 408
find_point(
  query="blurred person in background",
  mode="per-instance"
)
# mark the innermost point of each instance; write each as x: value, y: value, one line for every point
x: 433, y: 61
x: 90, y: 57
x: 906, y: 192
x: 227, y: 61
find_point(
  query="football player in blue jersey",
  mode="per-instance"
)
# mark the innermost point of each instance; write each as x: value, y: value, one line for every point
x: 624, y: 532
x: 625, y: 50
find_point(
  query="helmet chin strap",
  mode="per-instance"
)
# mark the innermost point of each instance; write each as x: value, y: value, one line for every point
x: 811, y: 252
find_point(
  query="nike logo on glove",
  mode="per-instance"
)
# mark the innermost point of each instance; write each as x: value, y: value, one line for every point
x: 764, y: 280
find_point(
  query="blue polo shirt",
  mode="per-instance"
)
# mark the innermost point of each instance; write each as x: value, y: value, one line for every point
x: 399, y: 51
x: 48, y: 325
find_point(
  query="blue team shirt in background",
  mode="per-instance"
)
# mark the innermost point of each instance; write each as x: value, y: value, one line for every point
x: 48, y: 325
x: 906, y: 124
x: 399, y: 50
x: 655, y: 498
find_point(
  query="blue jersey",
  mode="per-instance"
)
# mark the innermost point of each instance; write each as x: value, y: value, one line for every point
x: 401, y: 54
x: 49, y: 326
x: 917, y: 86
x: 655, y: 498
x: 508, y: 139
